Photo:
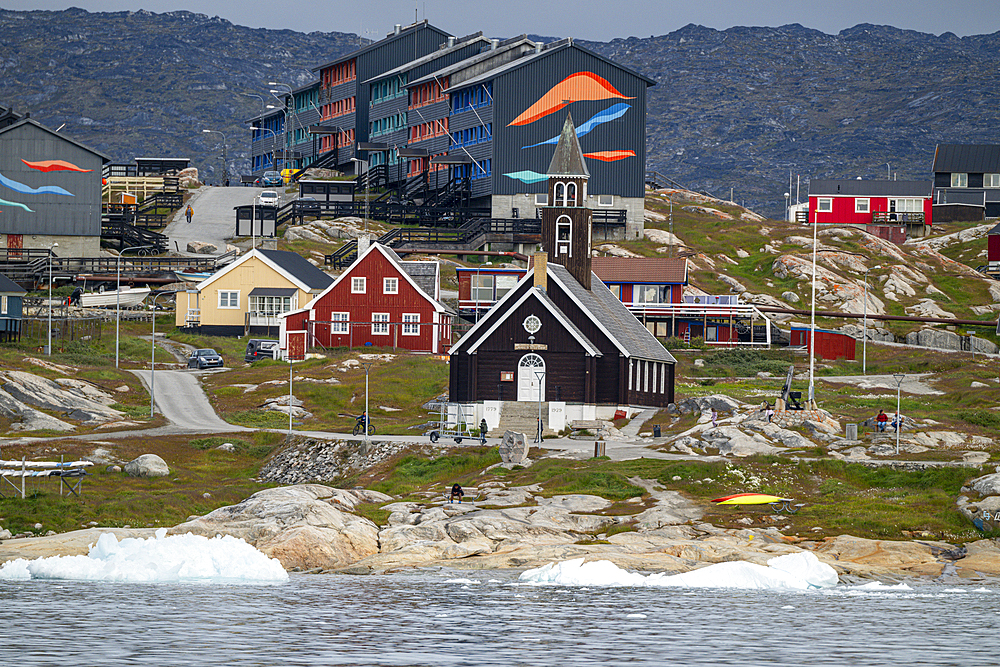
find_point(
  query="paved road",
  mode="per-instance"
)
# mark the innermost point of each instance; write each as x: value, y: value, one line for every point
x: 180, y: 398
x: 913, y: 383
x: 214, y: 218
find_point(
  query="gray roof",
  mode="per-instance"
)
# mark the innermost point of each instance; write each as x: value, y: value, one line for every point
x: 570, y: 324
x: 8, y: 286
x: 967, y: 158
x: 298, y: 266
x: 605, y: 309
x: 548, y: 49
x: 567, y: 160
x: 273, y: 291
x: 474, y: 60
x: 856, y: 188
x: 961, y: 197
x: 391, y: 37
x: 424, y: 274
x: 444, y: 50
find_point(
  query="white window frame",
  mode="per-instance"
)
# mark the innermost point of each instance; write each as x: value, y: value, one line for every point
x: 225, y: 297
x: 359, y: 284
x: 824, y: 204
x: 3, y: 304
x: 605, y: 200
x: 380, y: 324
x: 411, y: 324
x: 959, y: 180
x: 559, y: 194
x: 390, y: 285
x: 862, y: 205
x: 991, y: 180
x: 541, y: 199
x: 340, y: 323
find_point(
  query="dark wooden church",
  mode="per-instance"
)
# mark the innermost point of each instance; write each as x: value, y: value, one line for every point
x: 560, y: 334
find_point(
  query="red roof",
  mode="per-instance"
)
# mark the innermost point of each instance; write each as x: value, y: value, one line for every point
x: 659, y: 270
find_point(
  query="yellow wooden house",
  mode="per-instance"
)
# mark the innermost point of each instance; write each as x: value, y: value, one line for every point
x: 247, y: 296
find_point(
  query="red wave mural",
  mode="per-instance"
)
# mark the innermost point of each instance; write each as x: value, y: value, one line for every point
x: 54, y: 165
x: 574, y: 88
x: 610, y: 156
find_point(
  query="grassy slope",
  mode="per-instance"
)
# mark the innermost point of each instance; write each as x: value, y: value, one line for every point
x: 840, y: 498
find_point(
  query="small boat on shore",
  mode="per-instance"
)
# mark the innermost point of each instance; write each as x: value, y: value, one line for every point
x: 126, y: 297
x: 192, y: 276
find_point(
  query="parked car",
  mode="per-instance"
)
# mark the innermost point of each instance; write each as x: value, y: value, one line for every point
x: 206, y: 358
x: 267, y: 198
x: 258, y: 348
x: 271, y: 179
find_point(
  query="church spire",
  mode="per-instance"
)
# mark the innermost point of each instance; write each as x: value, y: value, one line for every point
x: 567, y: 160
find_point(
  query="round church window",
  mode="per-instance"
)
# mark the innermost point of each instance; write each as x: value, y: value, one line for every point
x: 532, y: 324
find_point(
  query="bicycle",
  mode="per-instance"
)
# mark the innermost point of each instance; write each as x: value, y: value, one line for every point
x: 360, y: 428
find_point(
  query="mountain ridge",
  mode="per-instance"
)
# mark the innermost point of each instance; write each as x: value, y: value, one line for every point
x: 740, y: 108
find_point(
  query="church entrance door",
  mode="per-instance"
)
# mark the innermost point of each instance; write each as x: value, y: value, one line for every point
x: 531, y: 387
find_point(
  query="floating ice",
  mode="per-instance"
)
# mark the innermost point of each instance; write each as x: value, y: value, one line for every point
x: 879, y: 586
x: 462, y: 581
x: 636, y: 616
x: 793, y: 571
x: 158, y: 559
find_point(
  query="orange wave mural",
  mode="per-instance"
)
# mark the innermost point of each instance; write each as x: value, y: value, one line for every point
x: 574, y: 88
x: 54, y: 165
x: 610, y: 156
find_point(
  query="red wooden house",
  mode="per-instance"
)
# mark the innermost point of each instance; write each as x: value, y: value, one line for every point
x: 380, y: 301
x: 893, y: 210
x: 993, y: 252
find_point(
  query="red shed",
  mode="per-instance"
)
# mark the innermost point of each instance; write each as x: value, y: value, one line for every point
x: 829, y: 344
x: 993, y: 250
x: 892, y: 210
x: 379, y: 300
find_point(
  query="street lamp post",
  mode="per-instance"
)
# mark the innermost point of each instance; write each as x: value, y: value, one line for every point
x: 51, y: 253
x: 225, y: 161
x: 899, y: 416
x: 261, y: 98
x: 888, y: 172
x: 541, y: 376
x: 118, y: 293
x: 267, y: 129
x: 864, y: 326
x: 152, y: 360
x: 787, y: 196
x: 364, y: 448
x: 812, y: 325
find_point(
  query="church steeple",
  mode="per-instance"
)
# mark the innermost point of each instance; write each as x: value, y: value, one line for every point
x: 566, y: 221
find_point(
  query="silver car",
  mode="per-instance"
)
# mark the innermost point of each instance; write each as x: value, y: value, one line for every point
x: 206, y: 358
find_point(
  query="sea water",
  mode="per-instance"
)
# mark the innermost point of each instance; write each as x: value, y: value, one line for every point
x: 599, y: 615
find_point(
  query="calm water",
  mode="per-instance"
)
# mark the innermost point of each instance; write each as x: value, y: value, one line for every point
x: 423, y: 619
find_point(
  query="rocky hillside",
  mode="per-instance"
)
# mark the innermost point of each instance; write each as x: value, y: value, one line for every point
x: 143, y: 84
x: 739, y: 108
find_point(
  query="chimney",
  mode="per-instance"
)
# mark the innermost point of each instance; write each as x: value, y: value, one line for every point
x: 538, y: 47
x: 541, y: 261
x: 494, y: 43
x: 451, y: 41
x: 396, y: 29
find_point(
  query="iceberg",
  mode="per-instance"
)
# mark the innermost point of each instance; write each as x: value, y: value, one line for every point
x: 159, y: 559
x: 798, y: 571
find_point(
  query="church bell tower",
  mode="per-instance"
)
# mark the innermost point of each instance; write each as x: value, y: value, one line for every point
x: 566, y: 221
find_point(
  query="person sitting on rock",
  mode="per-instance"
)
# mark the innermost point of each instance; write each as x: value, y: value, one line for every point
x: 881, y: 420
x: 897, y: 422
x: 456, y: 492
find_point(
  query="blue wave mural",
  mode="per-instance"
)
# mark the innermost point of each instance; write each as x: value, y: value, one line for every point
x: 527, y: 176
x: 599, y: 118
x: 4, y: 202
x: 28, y: 190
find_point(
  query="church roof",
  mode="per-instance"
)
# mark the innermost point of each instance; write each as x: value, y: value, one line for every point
x: 618, y: 323
x: 567, y: 160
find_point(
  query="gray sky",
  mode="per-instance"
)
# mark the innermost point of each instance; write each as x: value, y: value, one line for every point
x: 600, y: 20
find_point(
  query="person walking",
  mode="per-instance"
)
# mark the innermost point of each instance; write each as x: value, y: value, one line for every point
x: 189, y: 213
x: 881, y: 419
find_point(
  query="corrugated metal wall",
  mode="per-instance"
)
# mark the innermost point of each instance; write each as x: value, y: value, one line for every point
x: 75, y: 214
x: 518, y: 90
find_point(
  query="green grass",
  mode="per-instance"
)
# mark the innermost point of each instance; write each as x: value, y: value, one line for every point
x: 414, y: 472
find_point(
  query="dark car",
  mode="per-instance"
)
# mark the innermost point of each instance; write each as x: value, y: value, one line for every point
x: 307, y: 204
x: 260, y: 349
x: 206, y: 358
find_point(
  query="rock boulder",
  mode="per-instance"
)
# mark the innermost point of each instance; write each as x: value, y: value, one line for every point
x: 147, y: 465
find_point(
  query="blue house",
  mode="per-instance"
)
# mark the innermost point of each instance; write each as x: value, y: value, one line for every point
x: 11, y: 309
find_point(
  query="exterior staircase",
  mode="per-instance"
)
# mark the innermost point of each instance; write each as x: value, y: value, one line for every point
x: 522, y: 417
